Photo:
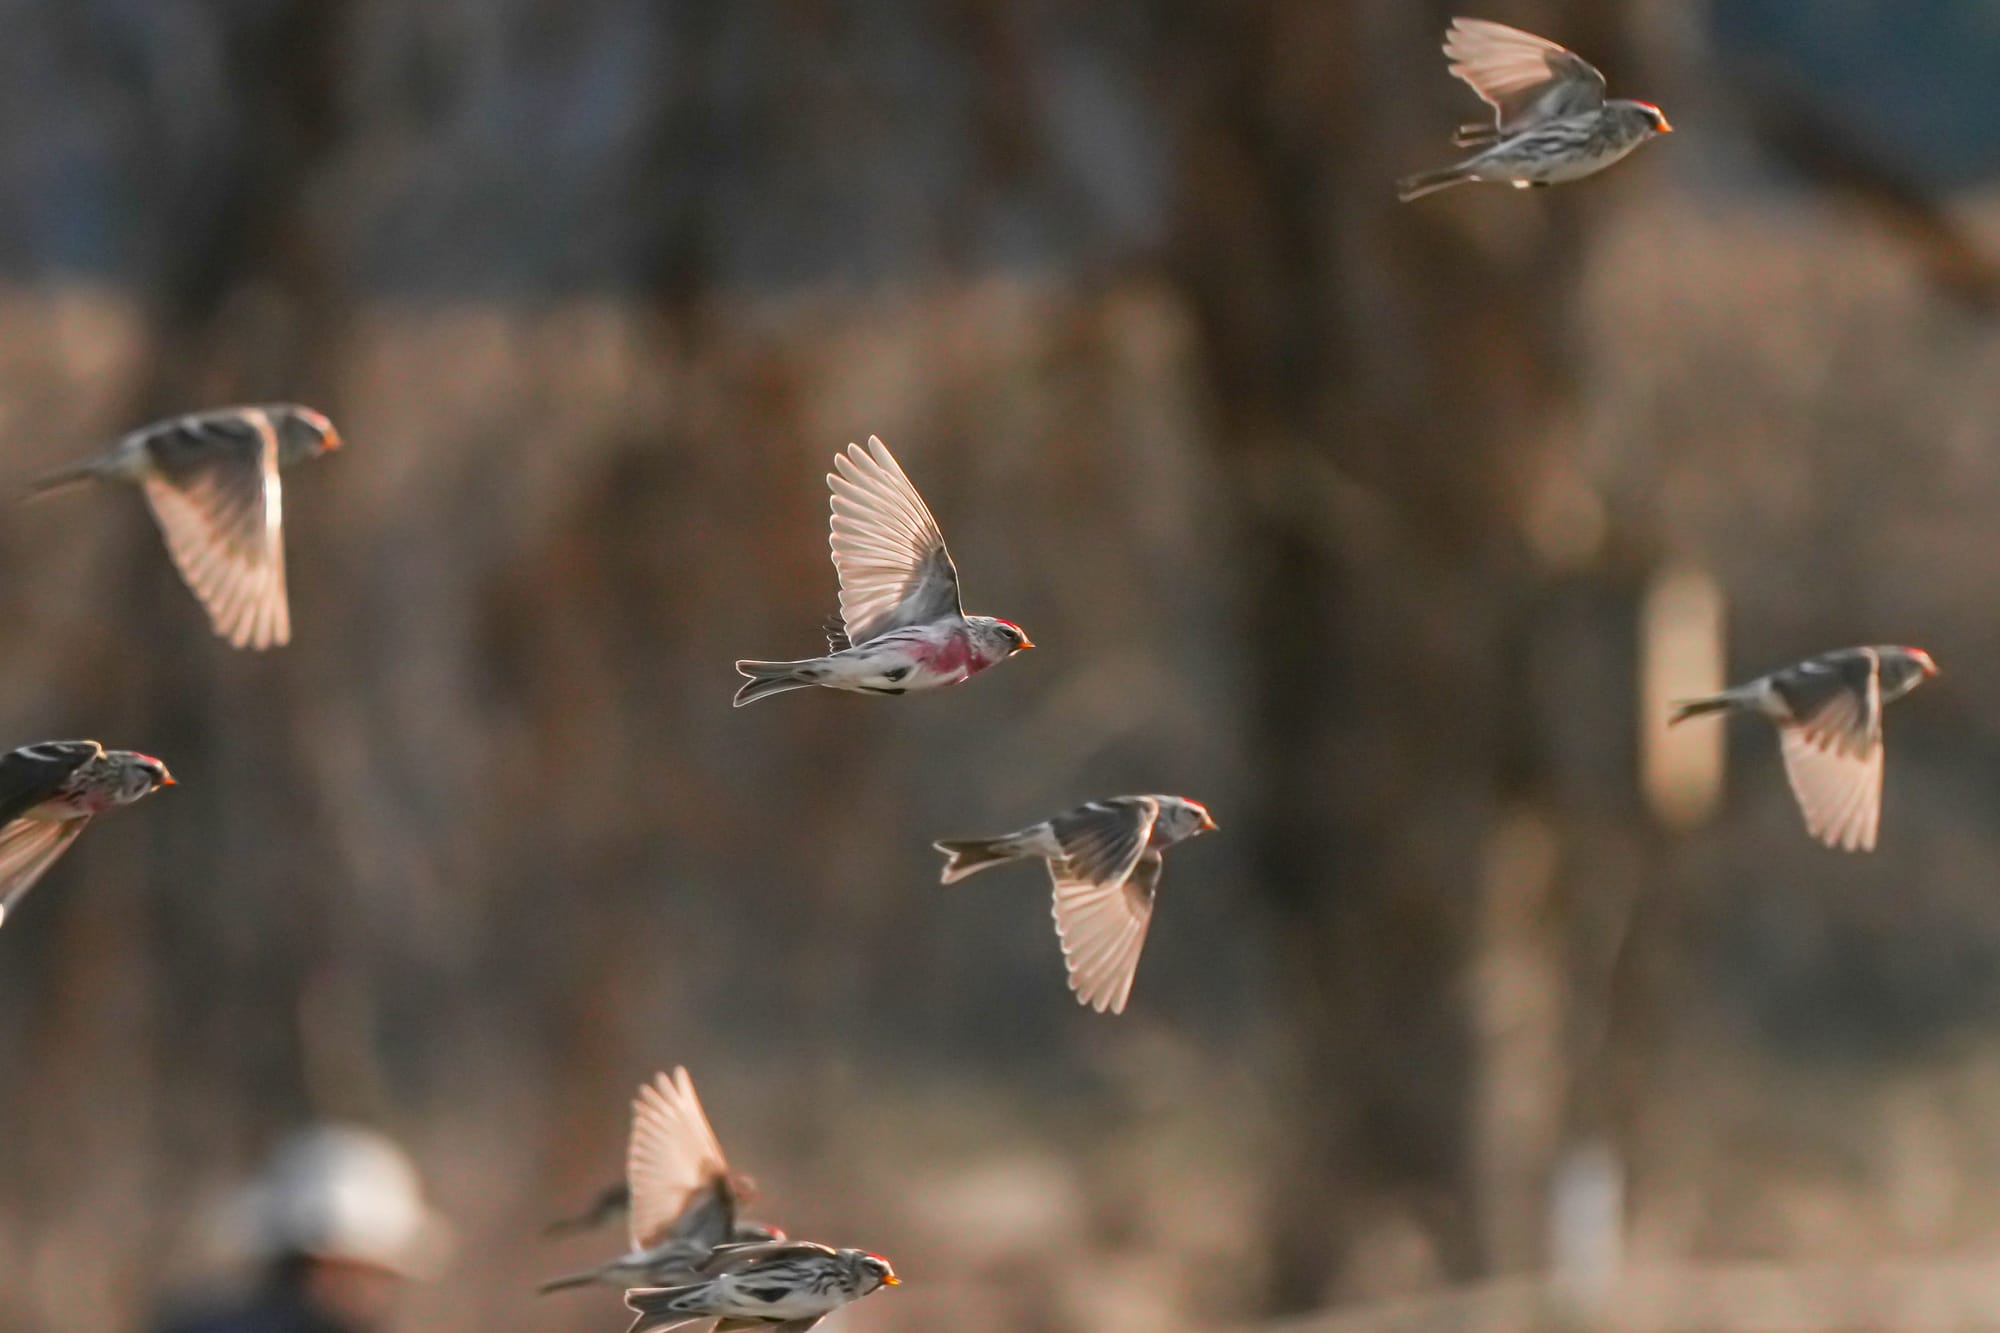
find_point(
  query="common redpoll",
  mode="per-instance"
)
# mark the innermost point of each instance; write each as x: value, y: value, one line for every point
x: 1551, y: 121
x: 902, y: 627
x: 680, y: 1195
x: 212, y: 482
x: 48, y: 792
x: 607, y: 1206
x: 788, y: 1285
x: 1105, y: 860
x: 1828, y: 711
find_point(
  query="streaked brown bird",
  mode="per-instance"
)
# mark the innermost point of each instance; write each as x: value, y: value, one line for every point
x: 211, y: 480
x: 1828, y: 711
x: 1551, y: 120
x: 1105, y: 860
x: 48, y: 793
x: 681, y: 1196
x: 787, y: 1286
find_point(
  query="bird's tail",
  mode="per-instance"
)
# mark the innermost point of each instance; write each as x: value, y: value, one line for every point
x: 1430, y: 182
x: 1683, y: 709
x: 1476, y: 134
x: 969, y: 856
x: 58, y: 480
x: 661, y: 1308
x: 566, y: 1282
x: 775, y: 678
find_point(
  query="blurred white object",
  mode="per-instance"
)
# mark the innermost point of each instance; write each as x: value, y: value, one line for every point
x: 1681, y: 652
x: 1587, y: 1225
x: 344, y: 1193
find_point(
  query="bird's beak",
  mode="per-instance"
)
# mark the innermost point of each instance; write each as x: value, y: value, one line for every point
x: 892, y: 1281
x: 1664, y: 127
x: 330, y: 442
x: 1208, y: 823
x: 167, y: 780
x: 1026, y: 642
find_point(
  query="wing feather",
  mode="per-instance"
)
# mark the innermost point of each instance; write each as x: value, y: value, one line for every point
x: 674, y: 1168
x: 1833, y: 755
x: 1102, y: 841
x: 1526, y: 79
x: 1103, y: 930
x: 28, y: 847
x: 887, y: 549
x: 214, y: 491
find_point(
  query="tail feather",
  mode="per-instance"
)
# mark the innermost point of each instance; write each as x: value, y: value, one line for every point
x: 969, y: 856
x: 657, y: 1308
x: 566, y: 1282
x: 1708, y: 703
x: 768, y: 678
x: 1476, y: 134
x: 60, y: 479
x: 1430, y: 182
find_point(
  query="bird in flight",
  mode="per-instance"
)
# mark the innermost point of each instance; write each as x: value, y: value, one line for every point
x: 681, y: 1197
x: 211, y: 480
x: 901, y: 628
x: 1551, y: 120
x: 1828, y: 711
x: 787, y: 1286
x: 50, y: 791
x: 1105, y: 860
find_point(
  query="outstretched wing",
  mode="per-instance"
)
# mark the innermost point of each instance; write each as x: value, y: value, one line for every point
x: 894, y: 570
x: 1525, y: 79
x: 1103, y: 930
x: 28, y: 847
x: 674, y: 1168
x: 1833, y: 745
x: 213, y: 487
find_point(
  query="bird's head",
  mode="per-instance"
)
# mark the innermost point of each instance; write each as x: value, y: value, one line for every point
x: 137, y: 775
x: 1654, y: 118
x: 1000, y: 639
x: 870, y: 1271
x: 303, y: 434
x: 1923, y: 661
x: 1181, y: 818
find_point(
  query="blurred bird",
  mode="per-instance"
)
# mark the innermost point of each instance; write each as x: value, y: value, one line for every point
x: 1105, y: 860
x: 611, y: 1203
x: 680, y: 1195
x: 1828, y: 711
x: 786, y: 1285
x: 49, y: 791
x: 1551, y: 120
x: 902, y: 628
x: 212, y: 482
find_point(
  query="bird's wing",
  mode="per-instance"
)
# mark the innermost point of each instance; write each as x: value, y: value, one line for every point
x: 1103, y: 928
x: 214, y: 491
x: 33, y: 773
x: 729, y: 1260
x: 1833, y: 746
x: 674, y: 1168
x: 1101, y: 841
x: 894, y: 570
x: 28, y: 847
x: 1525, y: 79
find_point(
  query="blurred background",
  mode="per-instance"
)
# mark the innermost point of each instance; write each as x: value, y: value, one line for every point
x: 1386, y: 531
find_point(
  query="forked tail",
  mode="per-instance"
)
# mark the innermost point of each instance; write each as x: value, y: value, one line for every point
x: 58, y: 480
x: 1429, y: 182
x: 659, y: 1308
x: 566, y: 1282
x: 969, y: 856
x: 1708, y: 703
x: 771, y: 678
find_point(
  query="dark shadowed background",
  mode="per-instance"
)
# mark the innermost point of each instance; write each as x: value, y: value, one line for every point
x: 1384, y: 530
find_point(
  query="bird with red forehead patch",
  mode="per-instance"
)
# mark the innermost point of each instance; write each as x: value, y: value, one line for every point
x: 50, y: 791
x: 1551, y: 119
x: 211, y: 480
x: 902, y: 628
x: 1828, y: 711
